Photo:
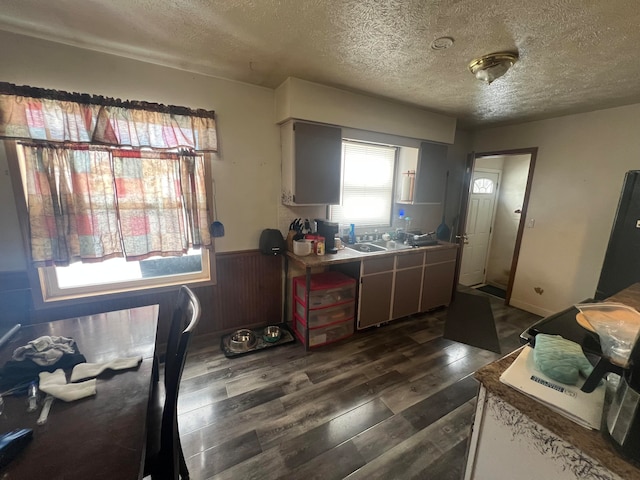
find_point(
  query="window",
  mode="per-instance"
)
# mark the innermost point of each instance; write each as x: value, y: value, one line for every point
x: 115, y: 200
x: 483, y: 185
x: 118, y: 274
x: 118, y: 187
x: 367, y: 185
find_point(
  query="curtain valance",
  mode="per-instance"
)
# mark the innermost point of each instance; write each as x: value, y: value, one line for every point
x: 28, y: 113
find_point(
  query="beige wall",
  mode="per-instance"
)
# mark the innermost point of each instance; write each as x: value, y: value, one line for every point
x: 301, y: 99
x: 579, y: 172
x: 246, y: 171
x: 515, y: 169
x: 578, y: 176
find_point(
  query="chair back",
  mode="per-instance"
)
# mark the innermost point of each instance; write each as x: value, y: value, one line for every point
x: 185, y: 318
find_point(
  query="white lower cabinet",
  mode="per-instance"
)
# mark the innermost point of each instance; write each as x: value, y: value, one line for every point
x: 506, y: 444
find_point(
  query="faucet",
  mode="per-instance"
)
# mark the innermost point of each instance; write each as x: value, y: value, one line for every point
x: 407, y: 225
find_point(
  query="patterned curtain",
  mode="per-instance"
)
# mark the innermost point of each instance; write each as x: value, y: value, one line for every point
x: 88, y: 204
x: 53, y: 120
x: 161, y: 203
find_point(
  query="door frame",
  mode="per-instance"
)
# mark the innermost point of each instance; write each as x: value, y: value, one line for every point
x: 464, y: 206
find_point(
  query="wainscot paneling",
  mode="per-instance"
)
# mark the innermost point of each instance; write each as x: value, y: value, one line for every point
x: 248, y: 294
x: 15, y: 298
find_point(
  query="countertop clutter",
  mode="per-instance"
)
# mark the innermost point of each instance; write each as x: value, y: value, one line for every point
x: 347, y: 255
x: 590, y: 450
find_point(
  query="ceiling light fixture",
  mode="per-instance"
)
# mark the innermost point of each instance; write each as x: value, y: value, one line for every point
x: 489, y: 67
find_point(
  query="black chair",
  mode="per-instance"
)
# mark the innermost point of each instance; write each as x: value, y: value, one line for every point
x: 164, y: 458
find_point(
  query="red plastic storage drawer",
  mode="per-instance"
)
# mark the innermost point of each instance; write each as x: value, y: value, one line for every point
x: 326, y: 289
x: 325, y: 316
x: 320, y: 336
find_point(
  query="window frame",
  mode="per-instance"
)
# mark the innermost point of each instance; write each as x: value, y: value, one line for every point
x: 392, y: 191
x: 40, y: 277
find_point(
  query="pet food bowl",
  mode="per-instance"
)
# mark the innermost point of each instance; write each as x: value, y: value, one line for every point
x: 271, y: 334
x: 242, y: 340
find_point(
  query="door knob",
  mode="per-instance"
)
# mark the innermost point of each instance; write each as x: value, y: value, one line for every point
x: 464, y: 237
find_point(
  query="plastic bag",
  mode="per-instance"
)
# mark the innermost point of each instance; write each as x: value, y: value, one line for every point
x: 617, y: 325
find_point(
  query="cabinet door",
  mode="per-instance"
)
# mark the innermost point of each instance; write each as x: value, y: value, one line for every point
x: 375, y: 299
x: 437, y: 285
x: 318, y: 164
x: 406, y: 296
x: 432, y: 173
x: 377, y: 265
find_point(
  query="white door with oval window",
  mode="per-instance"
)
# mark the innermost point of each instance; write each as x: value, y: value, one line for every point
x: 482, y: 202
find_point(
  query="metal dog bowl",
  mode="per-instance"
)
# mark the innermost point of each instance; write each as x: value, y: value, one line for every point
x: 271, y: 334
x: 242, y: 340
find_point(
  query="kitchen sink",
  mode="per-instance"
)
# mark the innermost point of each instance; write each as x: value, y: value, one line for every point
x: 366, y: 247
x: 386, y: 246
x: 393, y: 245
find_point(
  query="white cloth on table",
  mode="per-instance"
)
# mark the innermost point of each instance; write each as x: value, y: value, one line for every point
x: 45, y: 350
x: 83, y: 371
x: 55, y: 384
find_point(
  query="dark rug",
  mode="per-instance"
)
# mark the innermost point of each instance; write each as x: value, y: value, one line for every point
x: 470, y: 320
x: 491, y: 290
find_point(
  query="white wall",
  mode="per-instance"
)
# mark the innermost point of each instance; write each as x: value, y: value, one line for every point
x: 578, y: 176
x: 246, y: 171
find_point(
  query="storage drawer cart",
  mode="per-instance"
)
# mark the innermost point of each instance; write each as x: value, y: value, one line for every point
x: 325, y: 312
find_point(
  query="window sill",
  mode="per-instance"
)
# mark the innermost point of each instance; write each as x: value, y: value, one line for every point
x: 39, y: 303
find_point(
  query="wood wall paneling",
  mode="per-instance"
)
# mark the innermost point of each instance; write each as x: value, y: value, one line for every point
x: 248, y: 294
x: 15, y: 298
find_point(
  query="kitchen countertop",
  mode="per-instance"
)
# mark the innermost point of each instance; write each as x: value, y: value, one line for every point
x: 590, y: 442
x: 347, y: 255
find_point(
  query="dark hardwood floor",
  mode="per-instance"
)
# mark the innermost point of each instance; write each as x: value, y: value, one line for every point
x: 394, y: 402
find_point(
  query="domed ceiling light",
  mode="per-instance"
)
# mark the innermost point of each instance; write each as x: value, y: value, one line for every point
x: 489, y: 67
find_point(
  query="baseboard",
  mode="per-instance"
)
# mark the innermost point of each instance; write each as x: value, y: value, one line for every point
x: 527, y: 307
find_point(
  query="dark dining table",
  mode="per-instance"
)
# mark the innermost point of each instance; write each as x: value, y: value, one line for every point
x: 102, y: 436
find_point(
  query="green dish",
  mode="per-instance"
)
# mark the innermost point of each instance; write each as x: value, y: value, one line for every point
x: 271, y: 334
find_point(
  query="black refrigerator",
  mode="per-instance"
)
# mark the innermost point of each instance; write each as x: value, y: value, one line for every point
x: 621, y: 266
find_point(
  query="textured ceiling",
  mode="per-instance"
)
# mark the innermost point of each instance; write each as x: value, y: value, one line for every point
x: 575, y: 55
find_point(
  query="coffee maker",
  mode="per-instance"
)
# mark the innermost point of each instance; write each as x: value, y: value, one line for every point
x: 328, y: 230
x: 621, y: 416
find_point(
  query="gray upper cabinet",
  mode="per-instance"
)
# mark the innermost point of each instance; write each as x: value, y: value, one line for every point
x: 431, y: 174
x: 311, y: 163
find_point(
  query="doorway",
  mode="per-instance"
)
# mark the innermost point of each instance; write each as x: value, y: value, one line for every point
x: 493, y: 217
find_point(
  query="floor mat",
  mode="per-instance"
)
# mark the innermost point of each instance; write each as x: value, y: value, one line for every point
x: 491, y: 290
x: 470, y: 320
